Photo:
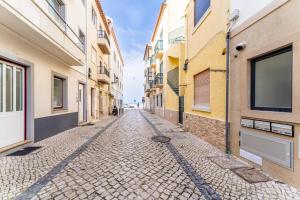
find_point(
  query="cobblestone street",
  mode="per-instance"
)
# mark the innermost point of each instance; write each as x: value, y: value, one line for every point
x: 117, y: 159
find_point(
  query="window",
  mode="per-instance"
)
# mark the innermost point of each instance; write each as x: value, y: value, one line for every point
x: 271, y: 81
x: 94, y: 55
x: 57, y: 10
x: 200, y: 8
x: 159, y: 100
x: 59, y: 99
x: 82, y: 38
x: 161, y: 68
x: 94, y: 17
x: 9, y: 89
x: 202, y: 90
x: 19, y: 90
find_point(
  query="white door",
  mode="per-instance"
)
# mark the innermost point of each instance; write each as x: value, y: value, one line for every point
x: 12, y: 106
x: 80, y: 102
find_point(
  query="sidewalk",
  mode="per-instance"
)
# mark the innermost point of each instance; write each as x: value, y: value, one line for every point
x: 17, y: 173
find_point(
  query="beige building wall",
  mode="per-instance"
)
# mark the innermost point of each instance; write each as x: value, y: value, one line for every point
x: 272, y: 28
x: 100, y: 106
x: 45, y: 45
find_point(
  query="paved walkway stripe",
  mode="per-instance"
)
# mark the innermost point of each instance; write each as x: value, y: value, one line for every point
x: 35, y: 188
x: 207, y: 191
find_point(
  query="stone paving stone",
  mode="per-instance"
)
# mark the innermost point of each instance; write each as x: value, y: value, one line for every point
x: 18, y: 173
x: 124, y: 163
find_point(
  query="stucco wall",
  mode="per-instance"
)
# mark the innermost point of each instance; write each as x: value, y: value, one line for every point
x: 44, y: 65
x: 278, y: 29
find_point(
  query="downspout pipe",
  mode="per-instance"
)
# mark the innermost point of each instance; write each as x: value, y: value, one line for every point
x: 227, y: 124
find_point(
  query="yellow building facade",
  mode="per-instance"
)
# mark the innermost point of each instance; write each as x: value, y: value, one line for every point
x: 202, y: 82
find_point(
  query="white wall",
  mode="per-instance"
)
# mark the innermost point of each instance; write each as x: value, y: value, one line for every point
x: 248, y: 8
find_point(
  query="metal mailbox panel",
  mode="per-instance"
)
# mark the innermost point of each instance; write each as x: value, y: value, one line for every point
x: 282, y: 129
x: 261, y: 125
x: 249, y: 123
x: 277, y: 150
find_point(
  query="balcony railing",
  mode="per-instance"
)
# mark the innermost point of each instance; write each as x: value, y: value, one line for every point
x: 79, y: 41
x: 103, y: 34
x: 177, y: 36
x: 152, y: 60
x: 159, y: 79
x: 103, y: 70
x: 159, y: 46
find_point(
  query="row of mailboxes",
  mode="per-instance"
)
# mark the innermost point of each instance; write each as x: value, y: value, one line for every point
x: 282, y: 129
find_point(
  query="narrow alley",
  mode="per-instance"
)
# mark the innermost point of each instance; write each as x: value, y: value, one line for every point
x: 118, y: 158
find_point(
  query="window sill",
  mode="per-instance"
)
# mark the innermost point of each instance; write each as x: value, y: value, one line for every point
x: 59, y: 110
x: 202, y: 108
x: 201, y: 20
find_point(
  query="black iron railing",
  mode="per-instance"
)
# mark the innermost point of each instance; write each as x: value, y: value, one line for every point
x: 159, y: 78
x: 103, y: 70
x: 103, y: 34
x: 80, y: 42
x: 152, y: 60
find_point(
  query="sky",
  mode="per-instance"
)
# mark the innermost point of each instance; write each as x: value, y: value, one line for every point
x: 134, y: 21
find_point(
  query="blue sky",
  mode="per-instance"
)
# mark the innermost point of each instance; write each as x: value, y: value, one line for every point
x: 134, y: 21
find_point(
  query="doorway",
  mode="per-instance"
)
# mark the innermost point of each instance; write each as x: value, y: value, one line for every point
x: 12, y: 104
x: 81, y: 102
x: 93, y: 103
x: 181, y: 109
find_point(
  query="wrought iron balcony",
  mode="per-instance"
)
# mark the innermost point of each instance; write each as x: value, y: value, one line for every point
x: 177, y: 36
x: 152, y: 61
x: 159, y: 80
x: 103, y: 41
x: 158, y: 50
x: 103, y: 74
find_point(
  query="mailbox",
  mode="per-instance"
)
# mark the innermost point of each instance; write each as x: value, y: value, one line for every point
x: 261, y: 125
x: 247, y: 123
x: 283, y: 129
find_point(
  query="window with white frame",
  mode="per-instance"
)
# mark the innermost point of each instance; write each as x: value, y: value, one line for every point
x: 94, y: 17
x: 59, y: 92
x: 200, y: 9
x: 202, y: 90
x: 271, y: 81
x: 81, y: 38
x: 57, y: 10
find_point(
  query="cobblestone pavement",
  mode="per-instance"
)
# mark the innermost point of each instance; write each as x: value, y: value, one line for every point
x: 119, y: 160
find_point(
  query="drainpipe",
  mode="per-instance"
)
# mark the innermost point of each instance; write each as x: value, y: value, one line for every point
x: 227, y: 125
x: 86, y: 65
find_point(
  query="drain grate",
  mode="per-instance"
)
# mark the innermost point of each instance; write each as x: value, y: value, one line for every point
x: 251, y: 175
x: 161, y: 139
x: 25, y: 151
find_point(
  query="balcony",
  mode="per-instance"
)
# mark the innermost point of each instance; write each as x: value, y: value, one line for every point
x: 177, y: 43
x: 159, y: 50
x: 103, y: 75
x: 103, y: 42
x: 41, y: 25
x: 177, y: 36
x: 159, y: 80
x: 153, y: 62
